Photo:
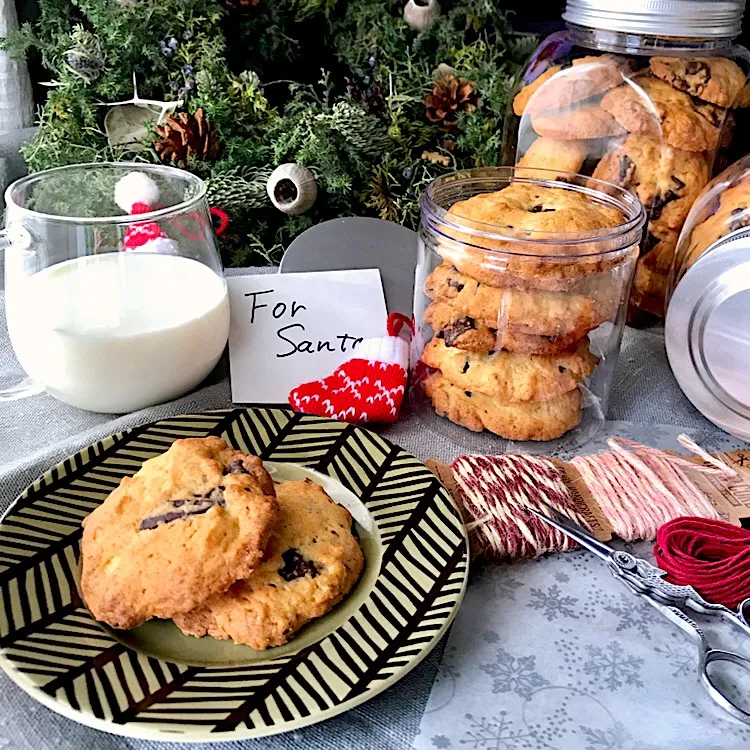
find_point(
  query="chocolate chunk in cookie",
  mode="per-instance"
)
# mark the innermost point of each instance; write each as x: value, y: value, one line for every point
x: 295, y: 566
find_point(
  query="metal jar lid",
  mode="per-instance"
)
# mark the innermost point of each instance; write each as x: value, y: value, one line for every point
x: 709, y: 19
x: 707, y: 334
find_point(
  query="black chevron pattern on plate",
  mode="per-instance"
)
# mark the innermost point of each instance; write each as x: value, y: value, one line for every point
x: 51, y: 646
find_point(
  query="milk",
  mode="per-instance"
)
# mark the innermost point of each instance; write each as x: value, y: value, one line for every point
x: 118, y: 331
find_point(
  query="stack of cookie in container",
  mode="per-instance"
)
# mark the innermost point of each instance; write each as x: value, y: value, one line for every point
x: 649, y: 124
x: 512, y: 294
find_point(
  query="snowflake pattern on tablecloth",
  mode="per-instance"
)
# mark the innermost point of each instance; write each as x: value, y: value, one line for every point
x: 500, y: 582
x: 611, y: 667
x: 681, y: 657
x: 514, y: 674
x: 561, y: 577
x: 441, y: 742
x: 635, y: 614
x: 496, y: 733
x: 553, y: 603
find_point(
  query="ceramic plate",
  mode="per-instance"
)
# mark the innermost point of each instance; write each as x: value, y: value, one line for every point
x: 155, y: 683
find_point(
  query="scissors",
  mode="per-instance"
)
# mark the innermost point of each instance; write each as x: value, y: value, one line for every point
x: 647, y: 581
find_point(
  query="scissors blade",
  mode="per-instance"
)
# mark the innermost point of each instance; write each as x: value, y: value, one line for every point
x: 570, y: 528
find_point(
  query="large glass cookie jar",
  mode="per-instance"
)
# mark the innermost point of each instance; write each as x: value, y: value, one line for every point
x: 707, y: 328
x: 520, y: 291
x: 643, y: 95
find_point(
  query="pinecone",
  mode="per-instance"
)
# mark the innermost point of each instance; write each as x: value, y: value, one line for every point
x: 183, y: 136
x: 369, y: 96
x: 449, y: 98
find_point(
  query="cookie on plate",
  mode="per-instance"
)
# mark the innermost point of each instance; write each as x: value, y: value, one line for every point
x: 552, y: 154
x: 184, y: 527
x: 542, y: 420
x: 600, y: 74
x: 587, y: 120
x: 537, y: 313
x: 714, y: 79
x: 510, y: 377
x: 463, y: 332
x: 312, y: 561
x: 667, y: 180
x: 686, y: 123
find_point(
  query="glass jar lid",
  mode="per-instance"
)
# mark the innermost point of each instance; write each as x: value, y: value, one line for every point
x: 666, y: 18
x: 707, y: 334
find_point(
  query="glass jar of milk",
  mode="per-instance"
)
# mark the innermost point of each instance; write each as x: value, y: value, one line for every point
x: 114, y: 287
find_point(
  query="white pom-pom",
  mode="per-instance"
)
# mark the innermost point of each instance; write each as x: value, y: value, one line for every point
x: 136, y: 187
x: 162, y: 245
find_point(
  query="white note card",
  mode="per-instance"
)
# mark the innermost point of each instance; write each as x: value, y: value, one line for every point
x: 292, y: 328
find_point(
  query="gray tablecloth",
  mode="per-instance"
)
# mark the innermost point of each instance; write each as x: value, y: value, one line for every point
x: 38, y: 432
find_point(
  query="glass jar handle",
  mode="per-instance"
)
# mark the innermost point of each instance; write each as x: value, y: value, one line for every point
x: 9, y: 390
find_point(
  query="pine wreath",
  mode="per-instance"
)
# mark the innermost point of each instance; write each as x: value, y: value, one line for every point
x: 336, y: 86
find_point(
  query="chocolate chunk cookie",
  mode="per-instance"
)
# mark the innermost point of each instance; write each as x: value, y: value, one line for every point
x: 509, y: 377
x: 563, y: 85
x: 713, y: 79
x: 551, y: 154
x: 528, y: 211
x: 731, y: 214
x: 542, y: 420
x: 183, y: 528
x: 311, y: 563
x: 464, y: 332
x: 537, y: 313
x: 686, y: 122
x: 667, y: 180
x: 587, y: 120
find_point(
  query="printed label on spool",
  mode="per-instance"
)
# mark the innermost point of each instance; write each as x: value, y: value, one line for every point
x: 585, y: 502
x: 730, y: 497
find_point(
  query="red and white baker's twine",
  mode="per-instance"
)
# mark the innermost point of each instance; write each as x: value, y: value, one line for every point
x: 637, y: 488
x: 498, y: 490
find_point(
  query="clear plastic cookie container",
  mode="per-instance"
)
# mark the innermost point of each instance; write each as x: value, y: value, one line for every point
x: 519, y: 305
x: 649, y: 95
x: 708, y: 313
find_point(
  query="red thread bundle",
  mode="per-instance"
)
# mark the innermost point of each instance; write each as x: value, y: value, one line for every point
x: 711, y: 556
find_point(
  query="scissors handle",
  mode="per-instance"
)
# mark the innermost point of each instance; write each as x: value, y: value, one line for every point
x: 712, y: 656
